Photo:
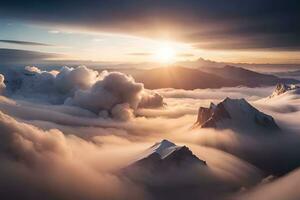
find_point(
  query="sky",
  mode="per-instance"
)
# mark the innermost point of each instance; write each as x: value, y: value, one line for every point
x: 163, y: 31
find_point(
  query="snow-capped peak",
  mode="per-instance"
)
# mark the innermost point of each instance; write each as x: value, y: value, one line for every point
x: 163, y: 156
x: 163, y: 148
x: 282, y: 88
x: 234, y: 113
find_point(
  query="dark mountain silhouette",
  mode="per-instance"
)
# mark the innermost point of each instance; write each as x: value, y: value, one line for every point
x: 192, y: 78
x: 181, y: 78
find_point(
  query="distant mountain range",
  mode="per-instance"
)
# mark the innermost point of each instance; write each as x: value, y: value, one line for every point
x: 247, y: 77
x: 181, y: 78
x: 188, y: 78
x: 289, y: 74
x: 209, y: 77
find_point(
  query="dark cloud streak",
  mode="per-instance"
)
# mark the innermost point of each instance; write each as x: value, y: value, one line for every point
x: 25, y: 43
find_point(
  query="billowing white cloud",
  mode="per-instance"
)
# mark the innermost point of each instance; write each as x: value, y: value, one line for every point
x: 32, y: 69
x: 54, y: 86
x: 151, y: 99
x: 2, y: 84
x: 85, y: 88
x: 72, y: 79
x: 112, y: 89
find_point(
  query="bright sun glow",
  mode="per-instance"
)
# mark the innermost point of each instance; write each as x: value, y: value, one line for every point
x: 165, y: 54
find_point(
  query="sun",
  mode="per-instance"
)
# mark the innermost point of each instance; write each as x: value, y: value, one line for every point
x: 165, y: 54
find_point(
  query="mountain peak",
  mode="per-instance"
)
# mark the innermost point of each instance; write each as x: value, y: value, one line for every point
x: 234, y: 113
x: 282, y: 88
x: 163, y: 148
x: 242, y: 104
x: 165, y: 142
x: 212, y: 105
x: 177, y: 163
x: 166, y: 154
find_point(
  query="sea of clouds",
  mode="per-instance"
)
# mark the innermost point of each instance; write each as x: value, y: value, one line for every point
x: 65, y: 134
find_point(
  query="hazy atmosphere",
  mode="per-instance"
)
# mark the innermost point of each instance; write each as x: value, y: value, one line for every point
x: 151, y: 100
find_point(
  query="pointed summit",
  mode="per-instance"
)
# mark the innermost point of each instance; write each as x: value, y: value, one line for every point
x: 164, y: 143
x: 212, y: 105
x: 282, y: 88
x: 164, y: 155
x: 164, y: 148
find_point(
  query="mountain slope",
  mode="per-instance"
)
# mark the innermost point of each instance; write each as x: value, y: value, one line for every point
x: 180, y: 78
x: 204, y: 77
x: 247, y: 77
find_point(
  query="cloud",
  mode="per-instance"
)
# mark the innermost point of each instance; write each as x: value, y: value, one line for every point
x: 27, y: 43
x: 115, y: 92
x: 151, y: 54
x: 32, y: 69
x: 27, y: 152
x: 122, y: 112
x: 53, y: 86
x: 2, y: 84
x: 69, y: 79
x: 113, y: 88
x: 185, y: 55
x: 87, y: 89
x: 151, y: 99
x: 83, y: 147
x: 217, y: 94
x: 54, y: 31
x: 140, y: 54
x: 283, y: 188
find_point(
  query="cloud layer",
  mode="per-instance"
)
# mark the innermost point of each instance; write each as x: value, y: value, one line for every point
x: 82, y: 127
